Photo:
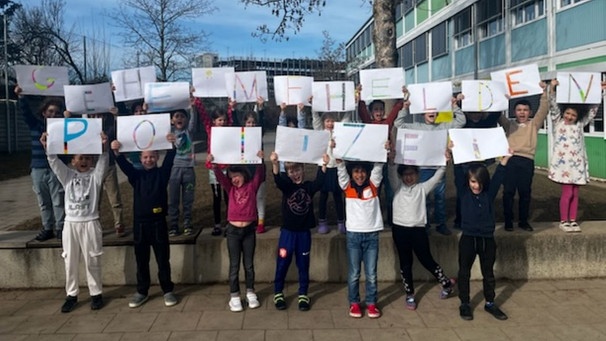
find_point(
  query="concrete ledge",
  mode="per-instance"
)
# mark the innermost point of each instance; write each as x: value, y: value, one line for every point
x: 547, y: 253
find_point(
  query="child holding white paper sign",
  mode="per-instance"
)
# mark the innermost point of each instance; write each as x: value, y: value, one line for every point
x: 217, y: 118
x: 47, y: 187
x: 568, y: 165
x: 429, y: 123
x: 256, y: 118
x: 82, y: 232
x: 240, y: 233
x: 327, y: 122
x: 182, y: 183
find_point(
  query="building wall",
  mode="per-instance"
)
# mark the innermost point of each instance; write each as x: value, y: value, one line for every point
x: 570, y: 38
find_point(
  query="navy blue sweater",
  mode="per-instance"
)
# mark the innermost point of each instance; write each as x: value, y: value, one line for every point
x: 150, y: 196
x: 477, y: 211
x: 36, y: 128
x: 297, y: 202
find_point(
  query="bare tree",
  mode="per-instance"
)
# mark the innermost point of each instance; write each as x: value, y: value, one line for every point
x: 154, y: 29
x: 292, y: 15
x: 332, y: 57
x: 44, y: 40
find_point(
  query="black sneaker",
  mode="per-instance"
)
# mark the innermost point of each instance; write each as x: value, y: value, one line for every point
x: 173, y: 232
x: 96, y: 302
x: 465, y: 312
x: 45, y: 235
x: 304, y: 302
x: 495, y: 311
x: 70, y: 303
x: 279, y: 301
x: 508, y: 226
x: 216, y: 231
x: 525, y: 226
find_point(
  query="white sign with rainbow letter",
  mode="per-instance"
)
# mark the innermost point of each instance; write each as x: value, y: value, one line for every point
x: 143, y: 132
x: 41, y: 80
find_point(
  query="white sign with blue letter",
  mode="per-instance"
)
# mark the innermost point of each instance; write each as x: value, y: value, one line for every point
x: 74, y: 136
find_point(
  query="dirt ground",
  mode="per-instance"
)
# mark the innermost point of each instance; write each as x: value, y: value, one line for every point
x: 544, y: 205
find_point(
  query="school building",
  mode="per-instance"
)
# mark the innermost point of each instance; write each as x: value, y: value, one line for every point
x: 440, y: 40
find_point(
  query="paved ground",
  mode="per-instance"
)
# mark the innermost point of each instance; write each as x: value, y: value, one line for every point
x: 538, y: 310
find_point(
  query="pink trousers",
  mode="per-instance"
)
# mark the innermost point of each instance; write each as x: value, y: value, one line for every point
x: 569, y: 202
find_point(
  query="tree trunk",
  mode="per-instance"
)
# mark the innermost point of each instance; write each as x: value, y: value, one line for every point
x: 384, y: 33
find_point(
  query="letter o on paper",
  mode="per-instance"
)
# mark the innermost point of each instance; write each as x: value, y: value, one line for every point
x: 144, y: 134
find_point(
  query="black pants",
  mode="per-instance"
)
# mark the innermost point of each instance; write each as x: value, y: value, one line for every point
x: 486, y: 249
x: 154, y: 234
x: 518, y: 177
x: 331, y: 185
x: 407, y: 240
x: 217, y: 190
x: 241, y: 242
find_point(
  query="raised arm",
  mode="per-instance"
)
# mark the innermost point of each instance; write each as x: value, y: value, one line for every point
x: 393, y: 177
x: 430, y: 184
x: 543, y: 110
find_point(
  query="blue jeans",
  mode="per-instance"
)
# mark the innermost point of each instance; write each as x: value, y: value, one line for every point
x: 362, y: 247
x: 439, y: 195
x: 50, y: 194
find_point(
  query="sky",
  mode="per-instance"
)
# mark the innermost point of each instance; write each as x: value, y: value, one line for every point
x: 231, y: 25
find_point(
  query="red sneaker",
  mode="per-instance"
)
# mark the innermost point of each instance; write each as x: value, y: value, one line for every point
x: 373, y: 312
x: 354, y: 310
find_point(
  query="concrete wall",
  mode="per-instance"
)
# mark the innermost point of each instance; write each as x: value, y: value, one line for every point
x: 543, y: 254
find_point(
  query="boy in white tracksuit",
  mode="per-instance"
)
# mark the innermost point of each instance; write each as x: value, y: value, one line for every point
x: 82, y: 232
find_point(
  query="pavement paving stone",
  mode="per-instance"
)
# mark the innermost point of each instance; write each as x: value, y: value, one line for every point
x: 533, y: 315
x: 176, y: 321
x: 220, y: 320
x: 86, y: 323
x: 126, y: 322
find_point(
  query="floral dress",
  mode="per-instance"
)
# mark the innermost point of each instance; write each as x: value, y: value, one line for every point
x: 568, y: 163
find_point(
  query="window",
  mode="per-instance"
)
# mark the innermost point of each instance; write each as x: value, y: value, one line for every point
x: 407, y: 61
x: 523, y: 11
x: 398, y: 11
x: 462, y: 28
x: 407, y: 6
x: 490, y: 18
x: 564, y: 3
x: 439, y: 40
x: 420, y: 48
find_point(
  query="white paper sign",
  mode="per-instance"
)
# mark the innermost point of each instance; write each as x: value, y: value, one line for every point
x: 333, y: 96
x: 143, y: 132
x: 292, y: 90
x: 478, y: 144
x: 245, y: 87
x: 129, y: 84
x: 235, y: 145
x: 360, y: 142
x: 74, y: 135
x: 484, y: 96
x: 88, y: 99
x: 382, y: 83
x: 301, y: 145
x: 421, y: 147
x: 41, y: 80
x: 210, y: 82
x: 519, y: 81
x: 430, y: 97
x: 579, y: 88
x: 169, y: 96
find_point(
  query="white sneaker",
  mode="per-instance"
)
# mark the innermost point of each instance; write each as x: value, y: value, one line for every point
x: 565, y: 226
x: 235, y: 304
x: 574, y: 226
x: 253, y: 301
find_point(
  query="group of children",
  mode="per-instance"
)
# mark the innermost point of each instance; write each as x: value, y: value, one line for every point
x: 357, y: 182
